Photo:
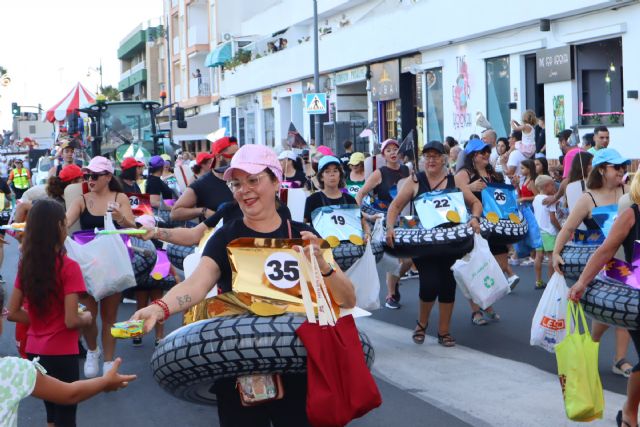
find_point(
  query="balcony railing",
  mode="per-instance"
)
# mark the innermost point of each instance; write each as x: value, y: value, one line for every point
x: 139, y: 66
x: 198, y: 35
x: 199, y: 88
x: 125, y: 74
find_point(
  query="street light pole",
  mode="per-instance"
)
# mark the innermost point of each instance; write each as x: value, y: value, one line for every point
x: 169, y: 88
x: 316, y: 72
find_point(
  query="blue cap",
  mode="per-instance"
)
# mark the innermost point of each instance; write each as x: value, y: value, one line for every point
x: 326, y: 161
x: 475, y: 145
x: 610, y: 156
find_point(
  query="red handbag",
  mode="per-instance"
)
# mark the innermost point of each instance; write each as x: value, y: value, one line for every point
x: 340, y: 387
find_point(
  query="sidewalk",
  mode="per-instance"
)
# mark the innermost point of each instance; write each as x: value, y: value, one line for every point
x: 478, y: 388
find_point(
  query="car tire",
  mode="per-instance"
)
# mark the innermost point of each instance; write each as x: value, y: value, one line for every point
x: 177, y: 254
x: 612, y: 302
x: 507, y: 232
x: 575, y: 257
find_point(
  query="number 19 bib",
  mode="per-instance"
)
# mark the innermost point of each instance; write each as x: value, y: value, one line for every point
x: 341, y: 221
x: 440, y: 207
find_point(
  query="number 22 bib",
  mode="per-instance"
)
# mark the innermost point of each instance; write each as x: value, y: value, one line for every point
x: 435, y: 208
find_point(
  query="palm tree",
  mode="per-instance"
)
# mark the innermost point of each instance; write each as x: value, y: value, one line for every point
x: 111, y: 93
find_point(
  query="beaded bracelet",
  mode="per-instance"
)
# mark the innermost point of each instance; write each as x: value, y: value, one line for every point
x: 165, y: 308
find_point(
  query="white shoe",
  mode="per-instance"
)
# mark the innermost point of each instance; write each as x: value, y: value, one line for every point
x: 513, y: 281
x: 92, y: 363
x: 106, y: 367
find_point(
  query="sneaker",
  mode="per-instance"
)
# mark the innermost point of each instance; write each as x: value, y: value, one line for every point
x: 527, y: 261
x: 514, y: 261
x: 106, y: 367
x: 392, y: 303
x: 410, y: 275
x: 540, y: 284
x: 92, y: 363
x: 137, y: 341
x: 513, y: 281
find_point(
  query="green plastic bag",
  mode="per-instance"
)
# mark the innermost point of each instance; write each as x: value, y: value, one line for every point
x: 577, y: 357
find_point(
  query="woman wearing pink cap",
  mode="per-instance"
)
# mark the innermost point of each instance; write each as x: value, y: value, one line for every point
x: 104, y: 194
x: 383, y: 183
x: 254, y: 178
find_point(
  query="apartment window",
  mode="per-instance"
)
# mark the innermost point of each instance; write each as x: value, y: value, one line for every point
x: 251, y: 128
x: 269, y: 128
x: 391, y: 118
x: 435, y: 102
x: 599, y: 75
x: 498, y: 97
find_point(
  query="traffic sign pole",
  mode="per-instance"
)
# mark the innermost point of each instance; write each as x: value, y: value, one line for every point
x: 316, y: 71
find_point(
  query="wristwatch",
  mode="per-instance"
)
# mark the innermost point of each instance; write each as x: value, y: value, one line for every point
x: 330, y: 272
x: 476, y: 217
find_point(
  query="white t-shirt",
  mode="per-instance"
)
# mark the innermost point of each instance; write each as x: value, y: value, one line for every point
x: 543, y: 214
x: 493, y: 157
x: 515, y: 158
x: 17, y: 381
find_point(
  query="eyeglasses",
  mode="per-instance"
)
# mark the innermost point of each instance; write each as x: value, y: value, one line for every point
x: 431, y: 156
x: 251, y: 182
x: 619, y: 167
x: 93, y: 176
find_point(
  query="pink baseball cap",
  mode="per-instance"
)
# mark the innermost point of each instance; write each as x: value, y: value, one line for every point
x: 252, y: 159
x: 326, y: 151
x: 99, y: 164
x: 387, y: 142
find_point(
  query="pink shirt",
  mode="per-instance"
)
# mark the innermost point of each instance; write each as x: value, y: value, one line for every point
x: 568, y: 159
x: 48, y: 334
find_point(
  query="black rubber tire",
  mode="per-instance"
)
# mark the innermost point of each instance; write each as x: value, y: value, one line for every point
x: 346, y: 253
x: 189, y: 361
x: 143, y: 263
x: 370, y: 210
x: 177, y: 254
x: 167, y: 222
x: 612, y: 302
x: 378, y: 250
x: 456, y: 240
x: 507, y: 232
x: 575, y: 258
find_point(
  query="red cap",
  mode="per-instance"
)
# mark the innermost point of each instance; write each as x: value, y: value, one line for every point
x: 69, y: 173
x: 203, y: 157
x: 129, y: 163
x: 220, y: 144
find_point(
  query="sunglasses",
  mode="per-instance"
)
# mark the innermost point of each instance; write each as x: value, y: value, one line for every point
x: 93, y: 176
x: 619, y: 167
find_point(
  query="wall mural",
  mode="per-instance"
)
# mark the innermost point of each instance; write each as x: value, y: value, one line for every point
x: 558, y: 114
x: 461, y: 94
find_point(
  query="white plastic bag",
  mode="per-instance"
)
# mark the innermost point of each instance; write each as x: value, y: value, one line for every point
x: 548, y: 327
x: 377, y: 234
x: 364, y: 276
x: 105, y: 263
x: 479, y: 276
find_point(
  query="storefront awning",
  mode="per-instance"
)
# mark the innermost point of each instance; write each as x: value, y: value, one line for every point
x: 219, y: 55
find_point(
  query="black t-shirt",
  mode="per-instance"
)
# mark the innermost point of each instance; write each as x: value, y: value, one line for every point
x: 216, y: 247
x: 319, y: 199
x: 155, y: 185
x: 4, y: 188
x: 299, y: 179
x: 211, y: 192
x: 229, y: 211
x: 135, y: 188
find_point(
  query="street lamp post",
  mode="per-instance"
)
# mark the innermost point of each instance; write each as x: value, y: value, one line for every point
x: 99, y: 71
x: 316, y: 71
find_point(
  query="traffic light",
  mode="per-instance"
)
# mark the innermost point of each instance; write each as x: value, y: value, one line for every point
x: 15, y: 109
x: 182, y: 123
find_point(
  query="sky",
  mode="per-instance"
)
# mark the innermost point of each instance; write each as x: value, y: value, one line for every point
x: 47, y: 46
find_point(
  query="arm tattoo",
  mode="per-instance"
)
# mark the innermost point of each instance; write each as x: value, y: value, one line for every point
x: 163, y: 234
x: 185, y: 299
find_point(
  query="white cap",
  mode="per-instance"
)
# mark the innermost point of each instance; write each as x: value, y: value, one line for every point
x: 287, y: 154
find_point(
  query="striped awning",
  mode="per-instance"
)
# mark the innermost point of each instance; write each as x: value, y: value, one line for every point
x: 219, y: 55
x: 78, y: 97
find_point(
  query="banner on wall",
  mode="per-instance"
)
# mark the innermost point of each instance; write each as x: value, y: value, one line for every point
x: 554, y: 65
x: 385, y: 81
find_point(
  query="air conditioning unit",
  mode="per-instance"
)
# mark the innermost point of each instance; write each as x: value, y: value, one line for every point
x: 226, y: 37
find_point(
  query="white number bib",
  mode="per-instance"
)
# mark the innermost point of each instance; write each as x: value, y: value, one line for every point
x: 282, y: 270
x: 433, y: 207
x: 340, y: 221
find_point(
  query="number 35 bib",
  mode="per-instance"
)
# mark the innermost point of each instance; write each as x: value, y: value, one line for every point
x: 440, y: 207
x: 341, y: 221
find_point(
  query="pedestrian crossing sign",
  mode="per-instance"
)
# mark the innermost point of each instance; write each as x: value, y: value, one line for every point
x: 316, y: 103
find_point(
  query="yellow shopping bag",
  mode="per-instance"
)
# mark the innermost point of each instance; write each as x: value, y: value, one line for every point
x: 577, y: 356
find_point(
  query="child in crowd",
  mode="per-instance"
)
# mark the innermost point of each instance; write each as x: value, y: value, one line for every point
x: 528, y: 144
x: 20, y: 378
x: 547, y: 222
x: 50, y: 283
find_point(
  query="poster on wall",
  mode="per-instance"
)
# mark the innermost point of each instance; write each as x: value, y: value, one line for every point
x: 385, y: 81
x: 558, y: 114
x: 461, y: 95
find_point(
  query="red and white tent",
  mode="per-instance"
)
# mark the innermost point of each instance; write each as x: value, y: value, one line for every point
x: 78, y: 97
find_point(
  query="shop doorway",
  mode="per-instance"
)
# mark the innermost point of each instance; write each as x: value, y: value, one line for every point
x: 534, y: 92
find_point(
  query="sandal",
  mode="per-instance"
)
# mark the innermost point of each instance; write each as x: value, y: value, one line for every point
x: 478, y: 321
x: 446, y: 340
x: 492, y: 315
x: 617, y: 368
x: 621, y: 422
x: 420, y: 333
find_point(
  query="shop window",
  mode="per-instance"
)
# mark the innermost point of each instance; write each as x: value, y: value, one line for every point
x: 269, y: 125
x: 391, y: 119
x: 435, y: 102
x: 599, y: 72
x: 251, y: 128
x: 498, y: 98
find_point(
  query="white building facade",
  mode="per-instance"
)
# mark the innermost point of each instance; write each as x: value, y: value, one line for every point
x: 398, y: 66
